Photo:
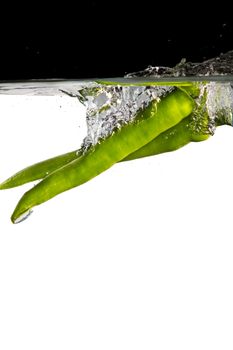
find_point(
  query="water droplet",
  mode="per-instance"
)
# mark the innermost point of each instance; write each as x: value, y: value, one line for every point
x: 23, y: 216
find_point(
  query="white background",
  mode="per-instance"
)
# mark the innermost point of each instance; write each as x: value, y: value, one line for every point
x: 140, y: 257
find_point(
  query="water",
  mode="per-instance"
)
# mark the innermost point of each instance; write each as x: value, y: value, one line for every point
x: 111, y: 103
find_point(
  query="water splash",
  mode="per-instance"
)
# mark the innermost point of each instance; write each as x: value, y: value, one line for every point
x: 108, y: 108
x: 221, y: 65
x: 219, y: 102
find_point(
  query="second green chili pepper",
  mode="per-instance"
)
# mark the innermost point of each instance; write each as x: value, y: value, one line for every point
x: 170, y: 140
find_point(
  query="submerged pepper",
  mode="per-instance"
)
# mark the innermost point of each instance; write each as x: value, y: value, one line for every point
x: 149, y: 123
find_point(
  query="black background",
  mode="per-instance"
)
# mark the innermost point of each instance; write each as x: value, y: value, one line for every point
x: 106, y: 39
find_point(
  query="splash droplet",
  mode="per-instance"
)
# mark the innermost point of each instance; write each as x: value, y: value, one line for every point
x: 23, y: 216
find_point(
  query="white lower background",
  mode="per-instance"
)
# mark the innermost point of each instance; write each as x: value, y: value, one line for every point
x: 140, y: 257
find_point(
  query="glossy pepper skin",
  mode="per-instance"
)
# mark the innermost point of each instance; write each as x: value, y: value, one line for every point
x: 170, y: 140
x: 149, y: 123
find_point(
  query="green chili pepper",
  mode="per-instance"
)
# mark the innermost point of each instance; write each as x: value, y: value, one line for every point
x: 150, y: 122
